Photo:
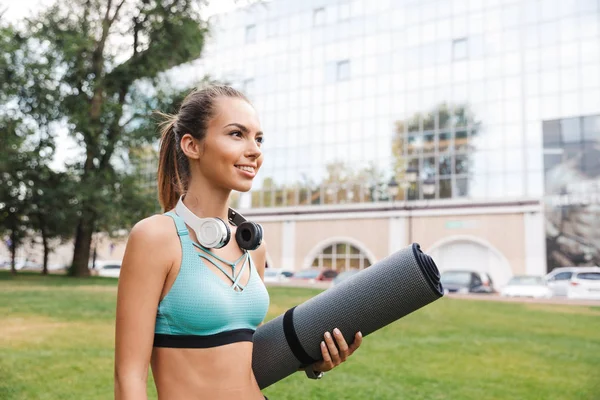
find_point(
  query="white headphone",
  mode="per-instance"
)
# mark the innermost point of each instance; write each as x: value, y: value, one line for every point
x: 215, y: 233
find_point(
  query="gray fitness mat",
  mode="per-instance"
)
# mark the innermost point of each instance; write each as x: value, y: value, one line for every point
x: 377, y: 296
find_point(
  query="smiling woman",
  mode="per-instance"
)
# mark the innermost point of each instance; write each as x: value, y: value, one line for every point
x: 186, y: 305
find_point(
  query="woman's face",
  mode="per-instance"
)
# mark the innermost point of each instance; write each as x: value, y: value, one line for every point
x: 231, y: 155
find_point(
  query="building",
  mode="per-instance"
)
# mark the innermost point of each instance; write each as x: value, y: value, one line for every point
x: 469, y: 127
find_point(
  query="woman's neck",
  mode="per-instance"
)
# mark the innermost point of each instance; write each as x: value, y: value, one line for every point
x: 207, y: 202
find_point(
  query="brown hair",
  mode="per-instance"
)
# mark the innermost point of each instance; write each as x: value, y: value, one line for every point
x: 194, y: 114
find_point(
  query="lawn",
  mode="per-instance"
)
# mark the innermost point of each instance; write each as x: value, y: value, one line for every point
x: 56, y: 342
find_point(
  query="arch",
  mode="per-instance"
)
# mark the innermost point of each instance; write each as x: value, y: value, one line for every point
x: 471, y: 252
x: 319, y: 247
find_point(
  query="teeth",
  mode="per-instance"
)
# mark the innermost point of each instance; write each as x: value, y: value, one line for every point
x: 244, y: 168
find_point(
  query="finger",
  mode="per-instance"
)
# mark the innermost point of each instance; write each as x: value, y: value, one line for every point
x: 333, y: 351
x: 327, y: 363
x: 357, y: 342
x: 341, y: 344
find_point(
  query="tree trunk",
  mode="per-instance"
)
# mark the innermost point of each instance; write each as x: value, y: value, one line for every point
x: 13, y: 252
x: 83, y: 243
x: 46, y: 253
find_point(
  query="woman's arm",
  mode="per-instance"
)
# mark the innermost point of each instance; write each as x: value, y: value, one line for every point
x: 146, y: 263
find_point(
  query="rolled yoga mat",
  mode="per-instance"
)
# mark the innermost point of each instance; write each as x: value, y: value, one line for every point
x: 375, y: 297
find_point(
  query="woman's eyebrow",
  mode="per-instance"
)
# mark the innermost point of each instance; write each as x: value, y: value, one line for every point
x: 242, y: 128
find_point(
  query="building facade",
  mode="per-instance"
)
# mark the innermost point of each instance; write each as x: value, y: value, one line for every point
x: 469, y: 127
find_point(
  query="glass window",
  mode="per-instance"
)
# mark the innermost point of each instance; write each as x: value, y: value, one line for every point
x: 249, y: 87
x: 461, y: 141
x: 591, y: 128
x: 571, y: 130
x: 562, y: 276
x: 344, y: 11
x: 250, y: 33
x: 343, y: 70
x: 459, y: 49
x: 461, y: 188
x: 341, y: 256
x: 591, y: 161
x: 461, y: 164
x: 551, y: 132
x: 415, y: 143
x: 319, y: 16
x: 429, y: 166
x: 445, y: 167
x: 445, y: 188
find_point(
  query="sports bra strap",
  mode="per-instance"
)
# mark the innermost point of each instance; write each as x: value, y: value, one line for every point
x: 179, y: 224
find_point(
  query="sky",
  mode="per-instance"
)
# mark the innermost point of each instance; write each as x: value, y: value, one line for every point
x: 16, y: 10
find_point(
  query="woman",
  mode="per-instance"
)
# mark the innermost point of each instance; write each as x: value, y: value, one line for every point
x: 180, y: 306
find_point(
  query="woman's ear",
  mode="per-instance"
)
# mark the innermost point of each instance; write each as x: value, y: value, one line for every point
x: 190, y: 146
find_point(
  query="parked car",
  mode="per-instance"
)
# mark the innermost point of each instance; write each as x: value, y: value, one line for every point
x: 585, y: 284
x: 315, y: 275
x: 559, y: 279
x: 526, y: 286
x: 21, y: 263
x: 464, y: 281
x: 277, y: 275
x: 108, y: 268
x: 344, y: 275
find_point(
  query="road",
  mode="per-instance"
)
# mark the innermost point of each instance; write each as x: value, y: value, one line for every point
x: 472, y: 296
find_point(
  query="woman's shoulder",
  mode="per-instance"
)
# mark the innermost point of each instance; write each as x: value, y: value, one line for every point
x: 156, y: 229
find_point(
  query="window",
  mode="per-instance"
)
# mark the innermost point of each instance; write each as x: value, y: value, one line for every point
x: 563, y: 276
x: 344, y: 11
x: 248, y: 87
x: 592, y: 276
x: 319, y: 17
x: 272, y: 28
x: 341, y: 256
x: 459, y: 49
x: 343, y: 70
x: 250, y: 33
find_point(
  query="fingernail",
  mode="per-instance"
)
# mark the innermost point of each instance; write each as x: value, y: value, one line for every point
x: 337, y: 331
x: 360, y: 333
x: 322, y: 344
x: 327, y: 335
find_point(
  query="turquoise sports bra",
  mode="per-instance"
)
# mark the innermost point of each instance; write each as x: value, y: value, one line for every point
x: 201, y: 310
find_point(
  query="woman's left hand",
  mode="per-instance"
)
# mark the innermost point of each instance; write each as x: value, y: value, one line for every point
x: 332, y: 357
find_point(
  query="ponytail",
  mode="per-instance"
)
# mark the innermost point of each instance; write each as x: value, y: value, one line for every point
x: 170, y: 182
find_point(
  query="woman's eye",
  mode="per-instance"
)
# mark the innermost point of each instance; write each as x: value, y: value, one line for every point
x: 260, y: 140
x: 236, y: 133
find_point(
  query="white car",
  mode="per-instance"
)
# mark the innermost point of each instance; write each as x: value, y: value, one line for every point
x: 108, y: 268
x: 585, y: 284
x: 276, y: 275
x: 526, y: 286
x: 559, y: 279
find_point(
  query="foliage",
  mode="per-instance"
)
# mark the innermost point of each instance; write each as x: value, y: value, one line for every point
x: 97, y: 59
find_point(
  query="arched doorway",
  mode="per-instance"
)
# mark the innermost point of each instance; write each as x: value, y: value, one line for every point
x: 339, y: 253
x: 470, y: 253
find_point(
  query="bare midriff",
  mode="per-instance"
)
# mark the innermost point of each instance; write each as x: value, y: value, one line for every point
x: 217, y: 373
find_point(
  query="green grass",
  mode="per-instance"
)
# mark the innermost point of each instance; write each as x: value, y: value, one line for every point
x: 57, y: 335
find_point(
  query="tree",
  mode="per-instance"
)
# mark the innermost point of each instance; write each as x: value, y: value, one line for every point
x: 13, y: 202
x: 99, y: 52
x: 50, y: 197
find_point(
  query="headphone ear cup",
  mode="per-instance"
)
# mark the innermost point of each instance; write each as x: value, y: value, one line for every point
x: 214, y: 233
x: 249, y: 235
